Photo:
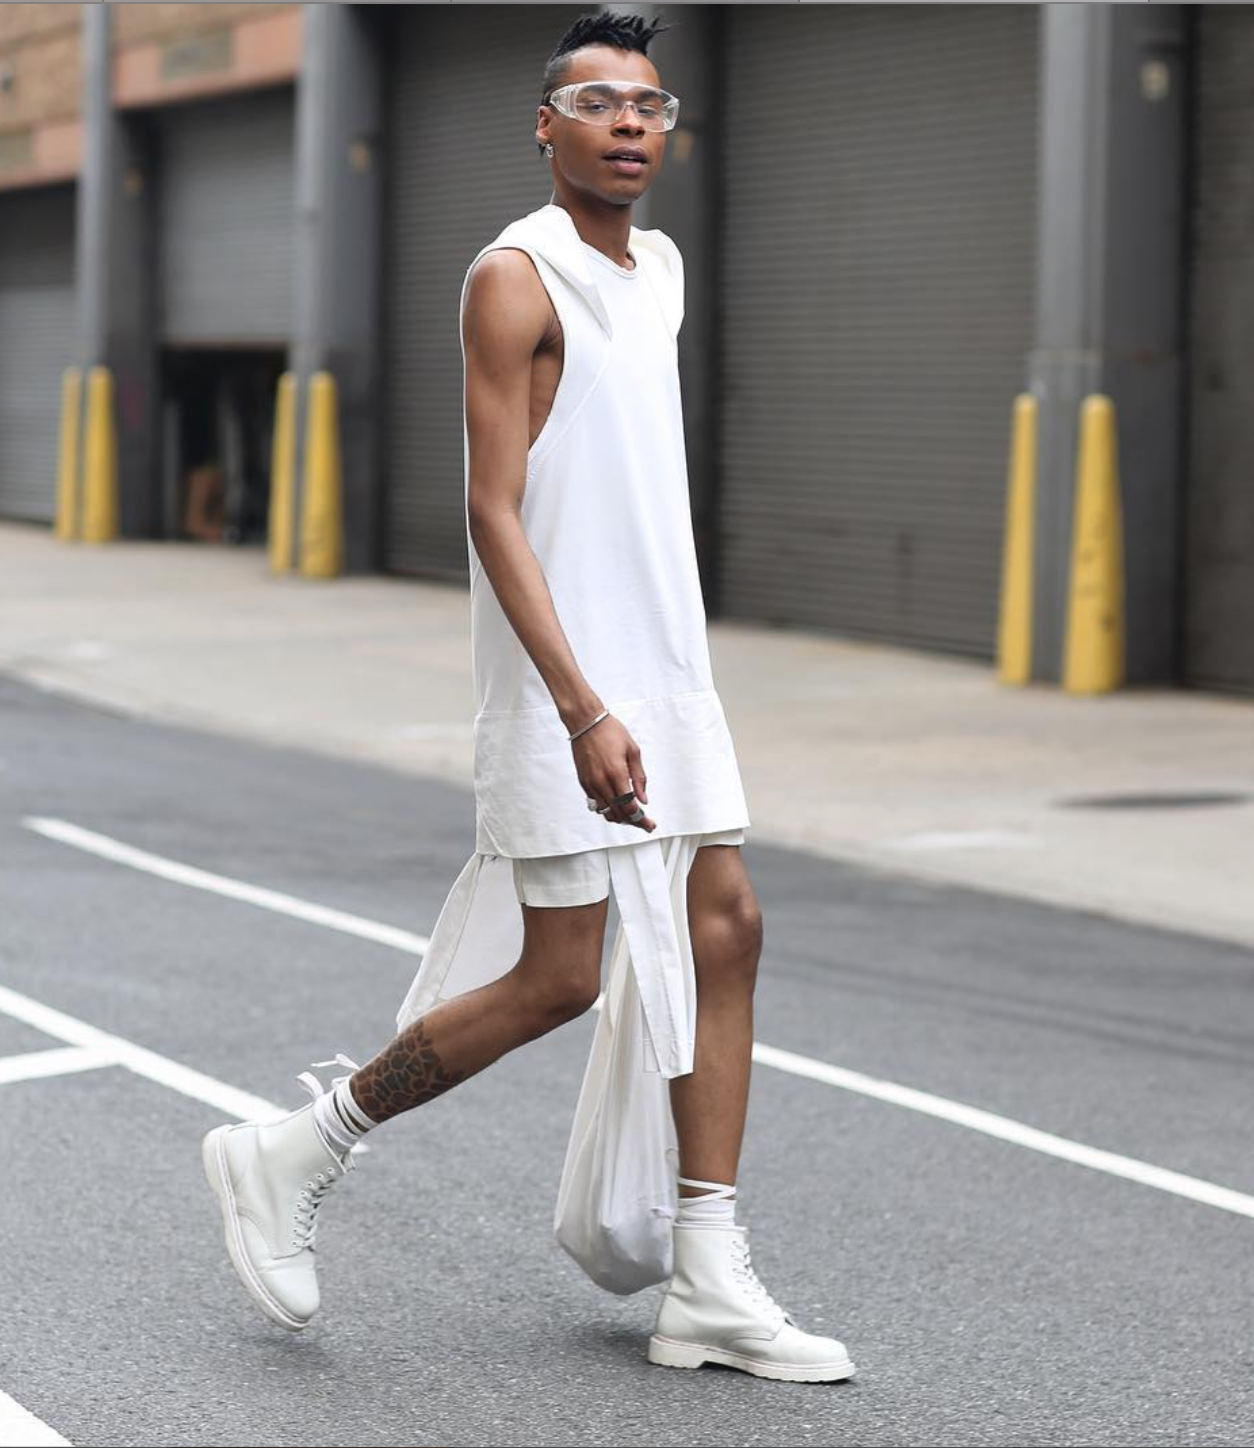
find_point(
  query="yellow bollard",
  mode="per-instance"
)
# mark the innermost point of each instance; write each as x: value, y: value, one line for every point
x: 1093, y: 661
x: 100, y: 469
x: 1014, y: 627
x: 321, y: 523
x: 283, y: 475
x: 66, y: 525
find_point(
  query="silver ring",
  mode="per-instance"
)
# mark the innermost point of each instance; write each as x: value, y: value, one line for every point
x: 637, y: 817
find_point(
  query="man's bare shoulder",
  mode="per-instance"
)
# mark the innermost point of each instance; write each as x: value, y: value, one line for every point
x: 506, y: 301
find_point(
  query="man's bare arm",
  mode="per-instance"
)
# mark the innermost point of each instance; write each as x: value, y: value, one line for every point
x: 506, y: 319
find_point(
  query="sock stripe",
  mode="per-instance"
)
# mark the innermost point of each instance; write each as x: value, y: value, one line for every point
x: 342, y: 1118
x: 348, y: 1107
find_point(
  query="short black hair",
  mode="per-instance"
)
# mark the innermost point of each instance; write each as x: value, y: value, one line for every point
x: 598, y: 27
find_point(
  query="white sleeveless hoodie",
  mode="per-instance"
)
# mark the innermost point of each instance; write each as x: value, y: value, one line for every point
x: 607, y: 511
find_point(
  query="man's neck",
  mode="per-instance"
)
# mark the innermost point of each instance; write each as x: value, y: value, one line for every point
x: 608, y: 230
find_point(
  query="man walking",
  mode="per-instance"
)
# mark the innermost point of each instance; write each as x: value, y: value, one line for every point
x: 595, y: 694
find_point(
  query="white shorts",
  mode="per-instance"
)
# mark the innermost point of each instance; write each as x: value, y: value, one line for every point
x: 583, y: 877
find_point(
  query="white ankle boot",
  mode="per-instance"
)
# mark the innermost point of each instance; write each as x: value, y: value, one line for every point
x: 270, y: 1178
x: 717, y: 1311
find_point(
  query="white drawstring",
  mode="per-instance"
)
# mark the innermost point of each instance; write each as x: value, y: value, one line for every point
x: 315, y: 1087
x: 718, y: 1191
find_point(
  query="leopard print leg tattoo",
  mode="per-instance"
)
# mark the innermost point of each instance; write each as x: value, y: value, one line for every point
x: 403, y: 1075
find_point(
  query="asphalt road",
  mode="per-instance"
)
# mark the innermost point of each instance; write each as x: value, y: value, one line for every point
x: 990, y: 1292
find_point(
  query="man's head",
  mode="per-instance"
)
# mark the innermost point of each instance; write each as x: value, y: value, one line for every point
x: 611, y: 48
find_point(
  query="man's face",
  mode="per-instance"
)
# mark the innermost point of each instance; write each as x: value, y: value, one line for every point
x: 579, y: 149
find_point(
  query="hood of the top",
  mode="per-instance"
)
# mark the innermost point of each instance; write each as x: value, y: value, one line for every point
x: 551, y: 230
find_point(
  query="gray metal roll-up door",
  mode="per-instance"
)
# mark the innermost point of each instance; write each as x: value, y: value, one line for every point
x: 1218, y: 631
x: 36, y: 343
x: 226, y: 208
x: 455, y: 179
x: 879, y: 177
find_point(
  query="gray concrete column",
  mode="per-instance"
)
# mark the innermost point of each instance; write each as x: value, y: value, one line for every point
x: 92, y: 241
x: 115, y: 273
x: 338, y: 249
x: 1110, y: 277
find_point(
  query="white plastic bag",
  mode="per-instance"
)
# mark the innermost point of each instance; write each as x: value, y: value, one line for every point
x: 618, y: 1194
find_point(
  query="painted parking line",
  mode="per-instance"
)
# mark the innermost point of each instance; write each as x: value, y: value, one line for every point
x: 59, y: 1062
x: 974, y: 1118
x: 20, y: 1429
x: 122, y: 854
x: 1004, y: 1128
x: 117, y: 1051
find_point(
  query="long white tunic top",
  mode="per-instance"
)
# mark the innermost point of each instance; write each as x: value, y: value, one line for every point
x: 606, y: 509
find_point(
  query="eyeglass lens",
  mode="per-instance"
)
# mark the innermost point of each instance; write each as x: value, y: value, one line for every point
x: 600, y: 104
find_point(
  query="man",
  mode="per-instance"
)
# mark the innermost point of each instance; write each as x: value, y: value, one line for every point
x: 581, y: 558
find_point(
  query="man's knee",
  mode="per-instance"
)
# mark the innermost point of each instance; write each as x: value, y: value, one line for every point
x: 747, y: 931
x: 556, y: 996
x: 728, y: 940
x: 559, y: 973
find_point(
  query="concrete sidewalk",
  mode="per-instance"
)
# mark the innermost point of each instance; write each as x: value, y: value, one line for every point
x: 901, y: 760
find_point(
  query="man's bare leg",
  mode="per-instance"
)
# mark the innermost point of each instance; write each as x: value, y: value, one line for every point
x: 271, y: 1175
x: 715, y: 1309
x: 557, y: 977
x: 710, y: 1103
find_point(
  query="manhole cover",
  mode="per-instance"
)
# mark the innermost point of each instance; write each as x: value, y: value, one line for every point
x: 1166, y: 800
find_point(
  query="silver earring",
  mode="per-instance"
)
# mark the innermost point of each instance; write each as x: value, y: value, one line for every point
x: 548, y: 150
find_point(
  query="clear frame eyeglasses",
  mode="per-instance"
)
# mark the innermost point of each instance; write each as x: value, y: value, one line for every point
x: 601, y: 102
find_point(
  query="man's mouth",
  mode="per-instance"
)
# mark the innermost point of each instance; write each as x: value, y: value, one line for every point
x: 629, y: 161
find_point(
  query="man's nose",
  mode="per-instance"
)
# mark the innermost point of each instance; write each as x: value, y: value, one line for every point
x: 628, y: 119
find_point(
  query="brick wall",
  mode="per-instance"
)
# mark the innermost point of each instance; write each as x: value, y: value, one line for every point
x: 133, y: 24
x: 40, y: 48
x: 21, y: 23
x: 40, y: 45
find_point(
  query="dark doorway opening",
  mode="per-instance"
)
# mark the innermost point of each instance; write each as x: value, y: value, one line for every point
x: 217, y: 438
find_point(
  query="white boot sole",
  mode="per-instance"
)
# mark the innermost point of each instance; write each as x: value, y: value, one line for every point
x: 668, y: 1352
x: 213, y: 1155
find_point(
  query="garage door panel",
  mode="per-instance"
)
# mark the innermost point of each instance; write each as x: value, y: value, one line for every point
x: 1218, y: 635
x: 454, y: 182
x: 36, y: 343
x: 879, y: 242
x: 226, y: 219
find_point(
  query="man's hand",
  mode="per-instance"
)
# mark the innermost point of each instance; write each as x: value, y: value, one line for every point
x: 608, y: 764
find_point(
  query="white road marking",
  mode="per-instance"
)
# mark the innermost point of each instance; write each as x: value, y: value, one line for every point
x: 58, y: 1062
x: 20, y: 1429
x: 111, y: 849
x: 1007, y: 1129
x: 227, y: 1099
x: 191, y: 1083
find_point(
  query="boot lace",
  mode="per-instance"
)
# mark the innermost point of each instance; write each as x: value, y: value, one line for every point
x: 742, y: 1271
x: 305, y: 1218
x: 741, y: 1267
x: 309, y: 1198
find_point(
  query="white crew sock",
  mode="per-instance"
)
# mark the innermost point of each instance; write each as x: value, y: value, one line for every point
x: 339, y: 1118
x: 717, y: 1208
